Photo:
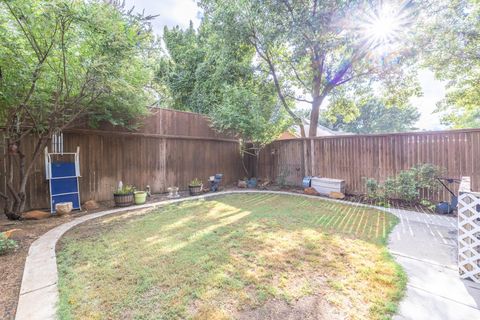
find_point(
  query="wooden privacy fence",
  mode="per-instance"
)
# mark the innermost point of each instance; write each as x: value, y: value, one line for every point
x: 171, y: 148
x: 355, y: 157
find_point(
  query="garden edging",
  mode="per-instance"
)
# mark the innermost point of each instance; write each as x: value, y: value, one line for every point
x: 39, y: 292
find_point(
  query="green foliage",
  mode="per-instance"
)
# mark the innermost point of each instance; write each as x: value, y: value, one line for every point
x: 407, y: 185
x: 426, y: 175
x: 195, y: 182
x: 450, y: 38
x: 372, y: 187
x: 372, y: 116
x: 316, y: 50
x: 428, y: 204
x: 62, y: 60
x: 214, y: 76
x: 250, y: 111
x: 125, y: 189
x: 389, y: 188
x: 6, y: 244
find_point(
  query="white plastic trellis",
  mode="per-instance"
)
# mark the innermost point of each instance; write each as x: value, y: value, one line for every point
x: 468, y: 232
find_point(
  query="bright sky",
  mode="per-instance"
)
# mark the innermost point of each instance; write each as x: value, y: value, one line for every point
x: 180, y: 12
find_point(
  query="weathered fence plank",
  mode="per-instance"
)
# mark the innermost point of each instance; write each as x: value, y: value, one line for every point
x: 170, y: 148
x: 356, y: 157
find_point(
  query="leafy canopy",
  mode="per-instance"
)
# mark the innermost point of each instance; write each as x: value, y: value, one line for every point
x: 61, y: 60
x: 209, y: 74
x: 450, y: 38
x: 315, y: 50
x: 373, y: 116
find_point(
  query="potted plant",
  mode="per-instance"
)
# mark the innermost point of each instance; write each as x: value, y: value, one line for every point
x: 140, y: 197
x: 195, y: 187
x: 173, y: 192
x: 242, y: 183
x: 123, y: 196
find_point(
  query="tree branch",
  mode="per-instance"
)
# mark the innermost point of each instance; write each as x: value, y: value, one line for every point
x: 298, y: 99
x: 297, y: 75
x: 265, y: 56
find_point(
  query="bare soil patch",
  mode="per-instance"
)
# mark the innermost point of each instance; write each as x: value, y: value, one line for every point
x: 255, y: 256
x: 12, y: 263
x: 306, y: 308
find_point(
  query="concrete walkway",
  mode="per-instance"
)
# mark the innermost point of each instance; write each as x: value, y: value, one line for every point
x: 426, y: 247
x: 423, y: 244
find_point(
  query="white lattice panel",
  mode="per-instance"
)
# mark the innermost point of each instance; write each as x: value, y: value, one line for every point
x: 469, y: 236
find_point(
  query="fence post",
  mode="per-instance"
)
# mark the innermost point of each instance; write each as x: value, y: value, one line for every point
x: 306, y: 171
x: 312, y: 160
x: 468, y: 232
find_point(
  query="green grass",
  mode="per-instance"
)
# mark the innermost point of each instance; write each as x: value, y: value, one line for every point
x: 213, y: 259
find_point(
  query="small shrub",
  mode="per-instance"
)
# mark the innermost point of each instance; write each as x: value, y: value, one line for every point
x: 6, y: 244
x: 390, y: 188
x: 407, y: 185
x: 407, y: 188
x: 126, y: 189
x: 372, y: 187
x: 428, y: 204
x: 426, y: 176
x: 195, y: 182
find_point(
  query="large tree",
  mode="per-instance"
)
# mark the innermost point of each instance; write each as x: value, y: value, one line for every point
x: 372, y: 116
x: 314, y: 50
x: 450, y: 39
x: 206, y: 73
x: 61, y: 61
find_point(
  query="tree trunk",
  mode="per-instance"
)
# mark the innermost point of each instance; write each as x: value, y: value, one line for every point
x: 302, y: 130
x: 255, y: 167
x: 317, y: 102
x: 16, y: 195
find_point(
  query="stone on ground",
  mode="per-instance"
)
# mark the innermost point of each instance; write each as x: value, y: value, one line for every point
x: 336, y: 195
x: 63, y: 208
x: 311, y: 191
x: 91, y: 205
x: 36, y: 215
x: 9, y: 233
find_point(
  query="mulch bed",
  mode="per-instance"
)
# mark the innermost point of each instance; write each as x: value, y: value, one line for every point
x: 397, y: 204
x: 12, y: 263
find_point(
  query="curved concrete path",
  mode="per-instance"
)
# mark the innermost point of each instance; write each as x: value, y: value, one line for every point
x: 39, y: 292
x: 426, y: 247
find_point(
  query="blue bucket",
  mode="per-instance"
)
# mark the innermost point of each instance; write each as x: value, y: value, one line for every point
x: 307, y: 182
x: 252, y: 183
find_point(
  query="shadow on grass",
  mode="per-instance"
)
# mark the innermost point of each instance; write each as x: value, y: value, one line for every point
x: 220, y: 257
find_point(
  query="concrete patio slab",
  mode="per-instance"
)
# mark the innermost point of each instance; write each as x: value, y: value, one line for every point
x: 424, y: 241
x: 426, y: 247
x: 421, y: 305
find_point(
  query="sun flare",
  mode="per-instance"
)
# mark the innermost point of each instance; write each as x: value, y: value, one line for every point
x: 383, y: 25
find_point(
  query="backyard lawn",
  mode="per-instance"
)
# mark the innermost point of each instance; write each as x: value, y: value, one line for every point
x: 255, y: 256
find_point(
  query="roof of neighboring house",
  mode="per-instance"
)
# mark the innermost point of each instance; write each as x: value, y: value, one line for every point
x: 287, y: 135
x: 322, y: 131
